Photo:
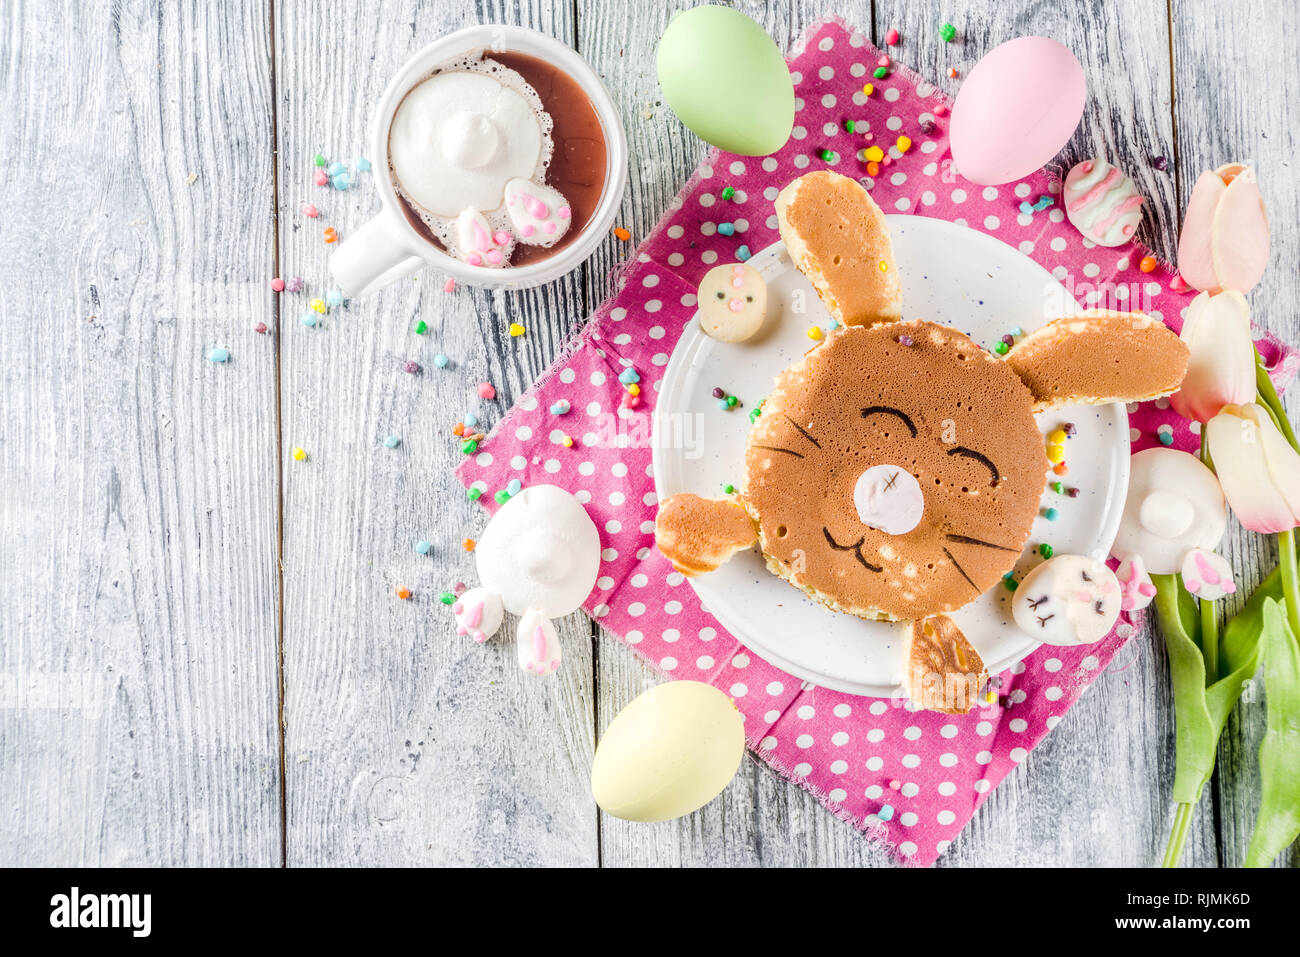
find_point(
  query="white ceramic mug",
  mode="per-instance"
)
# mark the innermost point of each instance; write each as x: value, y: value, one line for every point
x: 389, y: 248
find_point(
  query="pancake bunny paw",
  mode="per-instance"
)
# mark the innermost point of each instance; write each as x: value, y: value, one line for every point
x: 944, y: 672
x: 699, y: 534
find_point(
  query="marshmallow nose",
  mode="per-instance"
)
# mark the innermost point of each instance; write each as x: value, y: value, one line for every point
x: 470, y: 140
x: 889, y: 499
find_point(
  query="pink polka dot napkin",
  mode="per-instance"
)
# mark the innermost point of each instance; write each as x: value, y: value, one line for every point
x: 910, y: 780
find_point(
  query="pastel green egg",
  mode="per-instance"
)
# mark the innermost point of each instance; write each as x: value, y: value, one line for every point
x: 726, y: 80
x: 670, y: 751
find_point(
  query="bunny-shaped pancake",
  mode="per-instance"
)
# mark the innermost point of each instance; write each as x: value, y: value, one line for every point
x: 896, y: 469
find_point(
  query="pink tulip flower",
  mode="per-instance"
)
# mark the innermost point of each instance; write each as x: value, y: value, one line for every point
x: 1259, y: 471
x: 1224, y: 242
x: 1221, y: 364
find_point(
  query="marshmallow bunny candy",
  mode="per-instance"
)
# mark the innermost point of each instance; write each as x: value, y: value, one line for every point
x: 537, y: 558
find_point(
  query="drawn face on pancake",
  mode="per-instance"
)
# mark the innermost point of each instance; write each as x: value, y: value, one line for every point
x: 893, y: 480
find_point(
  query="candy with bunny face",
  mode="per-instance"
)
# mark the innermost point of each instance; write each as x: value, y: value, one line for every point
x: 478, y: 614
x: 1068, y: 600
x: 1207, y: 575
x: 732, y: 302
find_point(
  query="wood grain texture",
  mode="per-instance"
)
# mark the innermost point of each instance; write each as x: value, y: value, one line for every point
x: 138, y: 605
x: 149, y: 493
x: 1251, y: 120
x: 405, y: 743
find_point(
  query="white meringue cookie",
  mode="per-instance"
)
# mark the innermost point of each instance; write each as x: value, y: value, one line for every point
x: 1207, y: 575
x: 1174, y: 504
x: 478, y: 614
x: 537, y: 644
x: 459, y: 136
x: 541, y: 216
x: 540, y: 552
x: 1067, y: 600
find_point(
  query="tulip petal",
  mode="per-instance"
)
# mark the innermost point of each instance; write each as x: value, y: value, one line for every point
x: 1221, y: 362
x: 1241, y: 444
x: 1195, y: 262
x: 1239, y: 239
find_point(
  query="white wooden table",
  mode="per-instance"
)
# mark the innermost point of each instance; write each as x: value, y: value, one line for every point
x: 202, y: 660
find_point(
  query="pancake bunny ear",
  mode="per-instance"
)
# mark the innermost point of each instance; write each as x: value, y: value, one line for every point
x: 699, y: 534
x: 836, y: 235
x: 1097, y: 357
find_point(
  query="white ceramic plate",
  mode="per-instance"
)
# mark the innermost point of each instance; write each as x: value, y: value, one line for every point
x: 951, y: 275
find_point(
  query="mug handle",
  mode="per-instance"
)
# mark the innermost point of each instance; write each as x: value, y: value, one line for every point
x: 376, y: 255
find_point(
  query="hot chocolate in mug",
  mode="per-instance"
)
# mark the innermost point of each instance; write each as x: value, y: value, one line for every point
x: 440, y: 158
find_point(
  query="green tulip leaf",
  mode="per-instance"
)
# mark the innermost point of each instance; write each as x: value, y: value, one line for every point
x: 1278, y: 823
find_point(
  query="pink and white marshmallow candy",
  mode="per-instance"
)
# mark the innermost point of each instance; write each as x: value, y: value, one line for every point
x: 1207, y: 575
x: 478, y: 245
x: 1135, y: 584
x: 478, y: 614
x: 541, y: 216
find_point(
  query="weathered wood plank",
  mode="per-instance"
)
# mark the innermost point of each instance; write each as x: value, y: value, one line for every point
x: 138, y: 600
x: 405, y: 743
x: 1248, y: 120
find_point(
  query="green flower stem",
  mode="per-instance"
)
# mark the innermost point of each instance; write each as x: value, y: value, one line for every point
x: 1290, y: 578
x: 1178, y: 836
x: 1209, y: 611
x: 1264, y: 386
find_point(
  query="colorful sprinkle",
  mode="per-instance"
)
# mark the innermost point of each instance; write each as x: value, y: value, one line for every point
x: 392, y: 442
x: 829, y: 156
x: 814, y: 332
x: 561, y: 407
x: 928, y: 127
x: 1070, y: 428
x: 260, y: 328
x: 363, y: 165
x: 891, y: 38
x: 568, y: 442
x: 486, y: 390
x: 218, y: 355
x: 421, y: 327
x: 515, y: 487
x: 904, y: 144
x: 952, y: 72
x: 873, y: 153
x: 449, y: 285
x: 473, y: 493
x: 294, y: 284
x: 868, y: 89
x: 622, y: 233
x: 331, y: 234
x: 1055, y: 454
x: 1009, y: 580
x: 732, y: 401
x: 1045, y: 550
x: 1056, y: 436
x: 880, y: 72
x: 886, y: 812
x: 422, y: 547
x: 883, y: 61
x: 1165, y: 434
x: 1051, y: 514
x: 1058, y: 488
x: 319, y: 160
x: 905, y: 340
x: 1072, y: 492
x: 728, y: 192
x: 1160, y: 162
x: 502, y: 497
x: 947, y: 33
x: 320, y: 179
x: 629, y: 376
x: 405, y: 593
x: 300, y: 454
x: 1061, y: 469
x: 728, y: 489
x: 743, y: 253
x: 334, y: 298
x: 317, y: 306
x: 441, y: 361
x: 1148, y: 264
x: 727, y: 229
x: 873, y: 168
x: 309, y: 319
x: 469, y: 446
x: 516, y: 330
x: 411, y: 366
x: 277, y: 284
x: 849, y: 126
x: 468, y: 544
x: 471, y: 419
x: 1001, y: 348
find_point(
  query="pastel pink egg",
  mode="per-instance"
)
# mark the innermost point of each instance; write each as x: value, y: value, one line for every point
x: 1017, y: 109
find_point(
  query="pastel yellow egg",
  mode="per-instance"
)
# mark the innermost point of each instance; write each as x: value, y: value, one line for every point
x: 672, y: 750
